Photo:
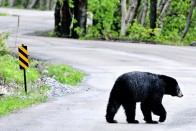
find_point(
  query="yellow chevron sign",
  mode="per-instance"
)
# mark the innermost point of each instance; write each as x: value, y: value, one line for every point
x: 23, y: 57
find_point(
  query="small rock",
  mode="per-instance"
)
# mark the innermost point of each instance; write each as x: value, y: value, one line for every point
x: 3, y: 91
x: 193, y: 43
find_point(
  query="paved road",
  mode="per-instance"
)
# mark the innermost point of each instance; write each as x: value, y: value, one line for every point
x: 104, y: 62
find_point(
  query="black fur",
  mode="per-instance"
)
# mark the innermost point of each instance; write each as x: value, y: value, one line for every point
x: 143, y: 87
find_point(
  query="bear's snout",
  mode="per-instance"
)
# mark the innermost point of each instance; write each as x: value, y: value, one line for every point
x: 180, y: 94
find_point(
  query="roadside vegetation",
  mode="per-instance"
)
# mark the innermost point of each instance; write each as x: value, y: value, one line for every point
x: 65, y: 74
x: 152, y: 21
x: 11, y: 80
x: 3, y: 14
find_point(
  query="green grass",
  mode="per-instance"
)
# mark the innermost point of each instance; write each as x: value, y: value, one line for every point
x: 65, y: 74
x: 3, y: 14
x: 11, y: 103
x: 10, y: 72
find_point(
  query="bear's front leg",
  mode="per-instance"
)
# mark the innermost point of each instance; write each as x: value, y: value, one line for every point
x: 157, y: 107
x: 146, y: 107
x: 160, y: 111
x: 162, y: 117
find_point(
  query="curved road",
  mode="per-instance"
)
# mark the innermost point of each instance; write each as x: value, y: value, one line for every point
x: 104, y: 62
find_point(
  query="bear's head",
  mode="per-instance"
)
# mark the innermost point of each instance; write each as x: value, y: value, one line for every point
x: 171, y: 86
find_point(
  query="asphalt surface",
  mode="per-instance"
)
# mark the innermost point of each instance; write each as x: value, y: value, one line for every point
x: 104, y: 62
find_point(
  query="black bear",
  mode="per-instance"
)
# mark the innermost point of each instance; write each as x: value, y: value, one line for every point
x: 144, y: 87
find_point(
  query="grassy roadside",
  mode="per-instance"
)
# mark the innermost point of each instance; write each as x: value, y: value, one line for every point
x: 3, y: 14
x: 12, y: 77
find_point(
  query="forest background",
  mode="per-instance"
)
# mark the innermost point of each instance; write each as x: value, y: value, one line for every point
x: 154, y: 21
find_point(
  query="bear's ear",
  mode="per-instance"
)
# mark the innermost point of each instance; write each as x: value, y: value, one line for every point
x: 168, y: 80
x: 171, y: 85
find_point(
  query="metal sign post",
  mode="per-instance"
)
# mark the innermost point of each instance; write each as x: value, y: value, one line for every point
x: 23, y: 62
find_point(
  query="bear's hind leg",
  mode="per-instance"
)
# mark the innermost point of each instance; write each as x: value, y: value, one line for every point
x: 112, y: 108
x: 146, y: 110
x: 130, y: 111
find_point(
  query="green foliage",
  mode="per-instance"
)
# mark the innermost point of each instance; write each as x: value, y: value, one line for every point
x: 9, y: 70
x: 61, y: 2
x: 175, y: 22
x: 65, y: 74
x: 3, y: 47
x: 71, y: 3
x: 5, y: 2
x: 3, y: 14
x: 104, y: 18
x: 139, y: 33
x: 21, y: 100
x: 10, y: 74
x: 53, y: 34
x: 107, y: 17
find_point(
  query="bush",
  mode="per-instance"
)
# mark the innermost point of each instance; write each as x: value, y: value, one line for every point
x: 3, y: 47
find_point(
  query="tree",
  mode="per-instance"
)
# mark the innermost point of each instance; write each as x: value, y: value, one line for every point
x: 144, y: 13
x: 188, y: 21
x: 66, y: 19
x: 80, y: 10
x: 153, y: 13
x: 128, y: 15
x: 57, y: 18
x: 1, y: 2
x: 163, y: 10
x: 32, y: 3
x: 70, y: 15
x: 11, y: 3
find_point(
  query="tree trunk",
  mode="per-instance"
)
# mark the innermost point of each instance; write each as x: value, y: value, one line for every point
x: 127, y: 18
x: 42, y: 4
x: 161, y: 4
x: 57, y: 18
x: 80, y: 10
x: 123, y: 18
x: 32, y: 3
x: 66, y: 19
x: 163, y: 13
x: 48, y: 4
x: 132, y: 12
x: 188, y: 20
x: 153, y: 13
x: 144, y: 13
x: 1, y: 2
x: 11, y: 3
